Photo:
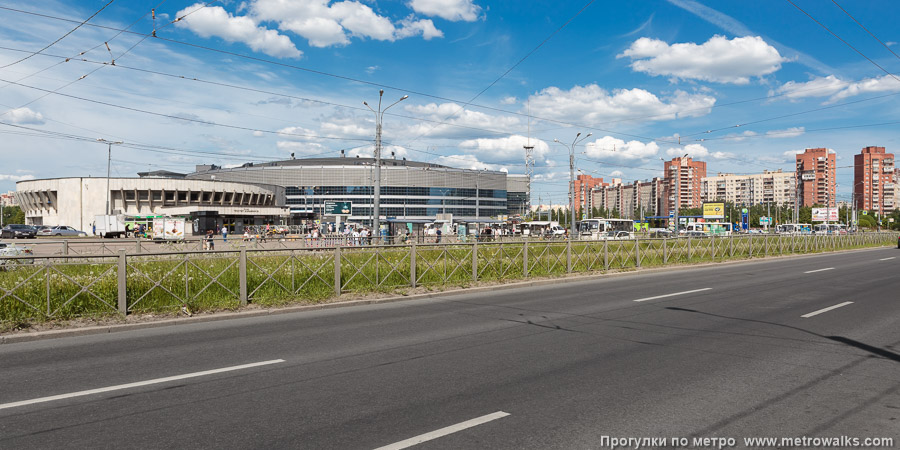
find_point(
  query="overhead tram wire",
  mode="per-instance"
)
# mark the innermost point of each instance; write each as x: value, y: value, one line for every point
x: 867, y: 30
x: 249, y: 89
x: 341, y: 77
x: 504, y: 74
x: 386, y: 86
x: 60, y: 38
x: 842, y: 40
x: 186, y: 119
x: 347, y: 78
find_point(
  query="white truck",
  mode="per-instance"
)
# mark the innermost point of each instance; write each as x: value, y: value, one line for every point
x: 109, y: 226
x: 168, y: 228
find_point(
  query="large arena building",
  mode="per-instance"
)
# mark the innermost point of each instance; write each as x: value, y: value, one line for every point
x: 288, y: 192
x: 410, y: 190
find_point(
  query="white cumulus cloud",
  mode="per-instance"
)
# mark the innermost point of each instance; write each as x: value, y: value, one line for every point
x: 215, y: 21
x: 786, y: 133
x: 24, y: 116
x: 697, y: 152
x: 453, y: 10
x: 610, y: 147
x: 324, y: 24
x: 593, y: 104
x: 505, y: 149
x: 6, y: 177
x: 836, y: 88
x: 719, y: 59
x: 470, y: 162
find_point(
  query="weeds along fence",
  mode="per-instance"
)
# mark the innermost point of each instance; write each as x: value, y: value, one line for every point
x: 67, y: 286
x: 97, y: 246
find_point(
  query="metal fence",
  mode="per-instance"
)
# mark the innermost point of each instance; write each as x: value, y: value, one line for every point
x: 71, y: 285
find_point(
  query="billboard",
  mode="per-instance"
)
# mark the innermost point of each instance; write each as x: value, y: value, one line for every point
x: 824, y: 214
x: 338, y: 208
x: 713, y: 210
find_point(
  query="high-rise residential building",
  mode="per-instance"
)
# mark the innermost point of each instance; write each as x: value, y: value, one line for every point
x: 873, y: 180
x: 8, y: 199
x: 682, y: 180
x: 583, y: 186
x: 770, y: 187
x: 815, y: 177
x: 629, y: 200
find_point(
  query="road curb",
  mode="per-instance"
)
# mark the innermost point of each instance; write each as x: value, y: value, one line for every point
x: 220, y: 316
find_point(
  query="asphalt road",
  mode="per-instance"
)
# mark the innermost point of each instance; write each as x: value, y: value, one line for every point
x: 718, y: 351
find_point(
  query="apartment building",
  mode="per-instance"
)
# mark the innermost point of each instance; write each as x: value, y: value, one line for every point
x: 815, y: 177
x: 682, y: 180
x: 874, y: 180
x: 629, y: 199
x: 770, y: 187
x: 584, y: 184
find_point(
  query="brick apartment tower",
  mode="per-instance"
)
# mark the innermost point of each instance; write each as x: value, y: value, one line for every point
x: 873, y: 180
x: 688, y: 173
x: 815, y: 177
x: 583, y: 186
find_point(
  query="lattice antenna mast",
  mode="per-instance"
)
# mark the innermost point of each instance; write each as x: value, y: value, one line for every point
x: 529, y: 161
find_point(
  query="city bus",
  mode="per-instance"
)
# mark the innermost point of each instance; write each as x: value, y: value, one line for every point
x: 830, y: 228
x: 710, y: 228
x: 605, y: 229
x: 794, y: 228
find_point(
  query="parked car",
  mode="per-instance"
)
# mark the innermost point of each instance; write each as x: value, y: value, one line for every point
x: 695, y: 234
x: 60, y: 230
x: 661, y: 234
x: 7, y: 250
x: 17, y: 230
x: 898, y: 241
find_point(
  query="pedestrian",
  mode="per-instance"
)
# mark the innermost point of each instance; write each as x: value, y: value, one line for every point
x: 438, y: 235
x: 210, y: 243
x: 225, y: 234
x: 246, y: 234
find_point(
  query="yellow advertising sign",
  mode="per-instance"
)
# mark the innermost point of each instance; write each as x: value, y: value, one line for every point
x: 713, y: 210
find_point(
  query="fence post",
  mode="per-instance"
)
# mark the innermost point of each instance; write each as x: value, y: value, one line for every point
x: 766, y: 245
x: 525, y: 259
x: 665, y: 251
x: 65, y: 250
x: 187, y: 278
x: 637, y: 252
x: 122, y: 276
x: 475, y: 260
x: 569, y: 256
x: 337, y: 270
x: 412, y: 265
x: 242, y: 269
x: 750, y: 240
x: 137, y: 245
x: 690, y: 251
x: 605, y: 254
x: 713, y: 240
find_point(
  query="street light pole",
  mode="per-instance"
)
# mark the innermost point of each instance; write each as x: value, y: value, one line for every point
x: 379, y: 116
x: 572, y: 178
x: 109, y: 145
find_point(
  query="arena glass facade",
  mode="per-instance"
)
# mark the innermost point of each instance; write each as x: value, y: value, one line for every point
x: 409, y: 189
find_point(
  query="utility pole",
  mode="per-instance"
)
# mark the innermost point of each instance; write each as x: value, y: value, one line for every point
x: 379, y: 116
x: 572, y: 178
x: 109, y: 145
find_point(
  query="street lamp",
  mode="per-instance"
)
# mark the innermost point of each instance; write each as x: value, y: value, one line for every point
x: 109, y: 145
x: 379, y: 116
x: 572, y: 177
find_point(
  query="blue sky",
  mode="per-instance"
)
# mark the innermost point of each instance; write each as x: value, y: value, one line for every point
x: 740, y: 85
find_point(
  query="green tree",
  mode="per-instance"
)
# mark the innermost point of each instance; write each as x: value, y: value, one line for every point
x: 13, y: 214
x: 867, y: 221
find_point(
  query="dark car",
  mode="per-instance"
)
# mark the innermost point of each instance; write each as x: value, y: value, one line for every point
x: 898, y: 241
x: 16, y: 230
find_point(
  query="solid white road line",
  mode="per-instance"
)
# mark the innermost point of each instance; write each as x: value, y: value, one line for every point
x: 672, y: 295
x: 887, y: 259
x: 444, y: 431
x: 816, y: 313
x: 819, y: 270
x: 137, y: 384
